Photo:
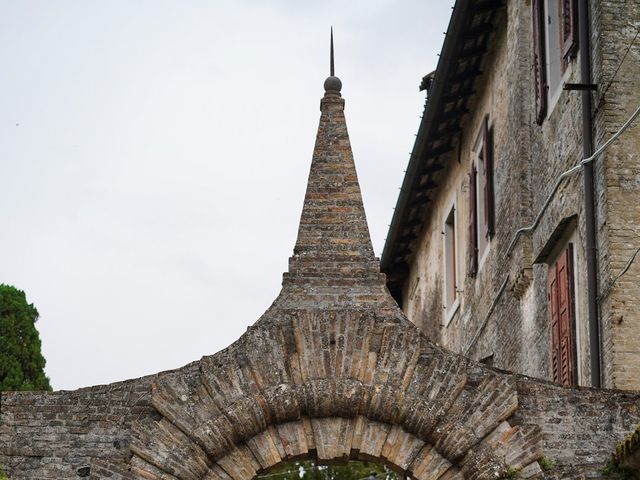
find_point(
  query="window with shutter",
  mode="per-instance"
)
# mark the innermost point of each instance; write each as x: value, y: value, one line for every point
x: 554, y: 26
x: 481, y: 204
x: 473, y: 222
x: 450, y: 297
x: 539, y: 66
x: 489, y: 212
x: 568, y: 25
x: 561, y: 311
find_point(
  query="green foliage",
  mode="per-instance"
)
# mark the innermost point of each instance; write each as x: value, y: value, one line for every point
x: 21, y: 363
x: 626, y: 448
x: 614, y: 469
x: 618, y: 465
x: 547, y: 464
x: 610, y: 468
x: 3, y: 476
x: 510, y: 474
x: 308, y: 470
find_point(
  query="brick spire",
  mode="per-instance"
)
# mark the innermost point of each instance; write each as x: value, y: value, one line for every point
x: 333, y: 237
x: 333, y: 218
x: 333, y: 266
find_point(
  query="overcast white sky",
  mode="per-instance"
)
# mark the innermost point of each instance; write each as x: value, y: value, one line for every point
x: 154, y: 157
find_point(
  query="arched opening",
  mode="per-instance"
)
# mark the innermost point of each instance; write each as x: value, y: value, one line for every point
x: 329, y: 440
x: 334, y: 387
x: 341, y: 470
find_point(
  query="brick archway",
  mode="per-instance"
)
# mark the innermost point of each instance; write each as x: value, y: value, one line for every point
x: 339, y: 385
x: 333, y: 368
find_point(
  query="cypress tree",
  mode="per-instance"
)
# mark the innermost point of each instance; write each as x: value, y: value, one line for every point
x: 21, y: 362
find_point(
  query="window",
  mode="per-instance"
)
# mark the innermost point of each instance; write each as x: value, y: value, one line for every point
x: 481, y: 204
x: 562, y: 316
x: 554, y: 43
x: 450, y: 233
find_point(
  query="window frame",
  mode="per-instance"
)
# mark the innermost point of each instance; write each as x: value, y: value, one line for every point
x: 481, y: 199
x: 554, y: 27
x: 450, y: 224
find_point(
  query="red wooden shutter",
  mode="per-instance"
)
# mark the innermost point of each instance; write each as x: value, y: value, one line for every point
x: 568, y: 24
x: 562, y: 318
x: 565, y: 314
x: 473, y: 222
x: 555, y: 323
x: 539, y: 65
x: 489, y: 212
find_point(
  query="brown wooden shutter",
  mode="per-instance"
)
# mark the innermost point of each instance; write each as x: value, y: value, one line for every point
x: 552, y: 290
x: 473, y: 223
x: 568, y: 25
x: 539, y: 64
x: 560, y: 288
x: 489, y: 211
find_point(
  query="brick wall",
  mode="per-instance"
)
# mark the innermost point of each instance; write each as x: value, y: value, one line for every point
x: 511, y: 324
x: 616, y: 25
x: 580, y: 426
x: 58, y: 435
x: 87, y: 433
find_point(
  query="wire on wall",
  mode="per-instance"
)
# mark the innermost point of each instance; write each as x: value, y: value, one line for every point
x: 535, y: 223
x: 612, y: 283
x: 568, y: 173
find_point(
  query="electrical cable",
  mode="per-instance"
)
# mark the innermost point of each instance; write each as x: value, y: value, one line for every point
x: 568, y: 173
x: 535, y: 223
x: 615, y: 74
x: 617, y: 277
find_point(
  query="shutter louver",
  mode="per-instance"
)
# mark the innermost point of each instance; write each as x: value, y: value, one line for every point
x: 473, y: 223
x: 565, y: 316
x: 552, y: 290
x: 489, y: 209
x: 539, y: 60
x: 561, y: 303
x: 568, y: 23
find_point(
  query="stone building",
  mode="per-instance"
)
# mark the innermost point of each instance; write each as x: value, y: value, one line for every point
x: 332, y: 371
x: 524, y: 91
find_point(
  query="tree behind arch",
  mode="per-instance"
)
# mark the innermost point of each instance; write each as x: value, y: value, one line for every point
x: 21, y: 362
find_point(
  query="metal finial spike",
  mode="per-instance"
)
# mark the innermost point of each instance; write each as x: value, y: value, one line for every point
x: 332, y: 70
x: 332, y: 83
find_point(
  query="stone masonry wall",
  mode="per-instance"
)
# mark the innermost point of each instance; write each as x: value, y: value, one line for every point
x: 59, y: 435
x: 580, y: 426
x: 503, y: 315
x: 334, y: 370
x: 515, y: 336
x: 88, y: 433
x: 618, y: 95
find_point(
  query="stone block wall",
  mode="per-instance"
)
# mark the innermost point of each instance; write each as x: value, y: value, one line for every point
x: 503, y: 315
x: 617, y: 46
x: 87, y: 433
x: 58, y: 435
x: 580, y: 426
x: 493, y: 320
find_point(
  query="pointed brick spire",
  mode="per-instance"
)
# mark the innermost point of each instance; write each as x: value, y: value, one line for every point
x: 333, y: 237
x: 333, y: 267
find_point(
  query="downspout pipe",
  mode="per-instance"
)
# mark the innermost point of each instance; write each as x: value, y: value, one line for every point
x: 584, y: 46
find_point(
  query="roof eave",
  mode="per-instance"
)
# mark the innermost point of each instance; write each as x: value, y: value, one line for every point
x: 434, y: 97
